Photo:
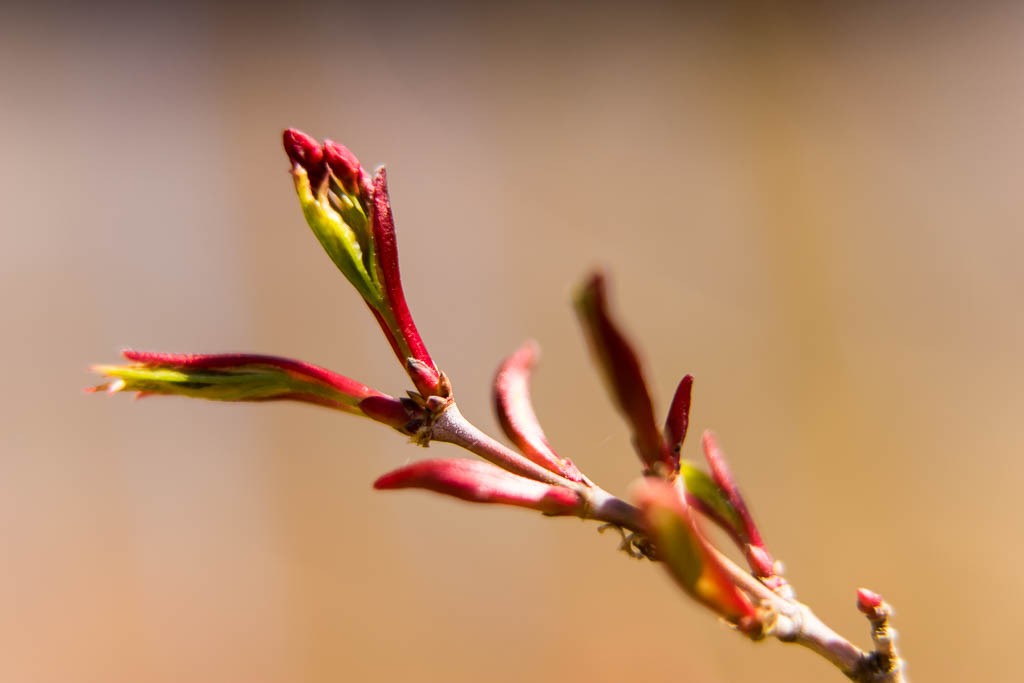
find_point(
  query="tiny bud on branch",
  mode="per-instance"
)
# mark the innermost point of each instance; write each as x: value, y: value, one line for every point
x: 868, y: 601
x: 678, y: 420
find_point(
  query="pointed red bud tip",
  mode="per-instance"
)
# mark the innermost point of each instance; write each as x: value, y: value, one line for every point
x: 345, y: 167
x: 481, y: 482
x: 760, y: 561
x: 306, y: 152
x: 678, y: 420
x: 424, y: 376
x: 868, y: 601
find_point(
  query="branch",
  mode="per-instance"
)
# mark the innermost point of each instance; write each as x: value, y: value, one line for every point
x: 785, y: 618
x: 351, y: 217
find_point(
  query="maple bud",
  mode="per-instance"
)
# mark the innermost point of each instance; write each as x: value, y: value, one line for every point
x: 624, y: 376
x: 481, y: 482
x: 684, y: 551
x: 518, y: 420
x: 346, y: 169
x: 234, y: 377
x: 306, y: 153
x: 352, y: 219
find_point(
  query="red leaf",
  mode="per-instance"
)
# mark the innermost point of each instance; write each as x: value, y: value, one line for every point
x: 227, y: 361
x: 678, y: 420
x: 515, y: 412
x: 722, y: 475
x: 386, y: 245
x: 481, y: 482
x: 685, y: 552
x: 624, y: 376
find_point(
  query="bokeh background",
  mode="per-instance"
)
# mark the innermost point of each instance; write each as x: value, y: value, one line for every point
x: 817, y: 212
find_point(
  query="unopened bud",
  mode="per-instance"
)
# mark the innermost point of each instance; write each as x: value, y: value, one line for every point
x: 423, y: 375
x: 481, y: 482
x: 868, y: 601
x: 306, y: 152
x: 235, y: 377
x: 760, y: 561
x: 345, y: 167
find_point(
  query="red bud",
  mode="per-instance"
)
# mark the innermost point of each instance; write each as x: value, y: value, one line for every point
x: 868, y: 601
x: 624, y: 376
x: 228, y: 361
x: 236, y: 377
x: 481, y: 482
x: 345, y: 167
x: 722, y: 475
x: 760, y: 561
x: 678, y: 420
x: 389, y: 411
x: 515, y: 412
x: 685, y: 552
x: 406, y: 338
x: 422, y: 375
x: 306, y: 152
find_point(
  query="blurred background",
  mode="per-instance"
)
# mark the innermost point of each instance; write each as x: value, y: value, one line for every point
x: 815, y: 212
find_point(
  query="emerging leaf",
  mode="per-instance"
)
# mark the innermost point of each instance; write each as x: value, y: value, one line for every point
x: 234, y: 377
x: 515, y: 412
x: 351, y: 217
x: 704, y: 494
x: 678, y: 543
x: 623, y: 374
x: 396, y: 311
x: 481, y: 482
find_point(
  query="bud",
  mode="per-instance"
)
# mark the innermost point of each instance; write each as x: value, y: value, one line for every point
x: 423, y: 376
x: 397, y: 319
x: 624, y: 376
x: 394, y: 413
x: 515, y: 412
x: 722, y: 475
x: 678, y: 419
x: 353, y: 222
x: 336, y: 237
x: 759, y: 560
x: 346, y: 169
x: 480, y: 482
x: 684, y: 551
x: 234, y: 377
x: 703, y: 494
x: 306, y: 153
x: 868, y: 602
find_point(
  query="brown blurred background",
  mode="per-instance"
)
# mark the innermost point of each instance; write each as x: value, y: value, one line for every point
x: 816, y: 212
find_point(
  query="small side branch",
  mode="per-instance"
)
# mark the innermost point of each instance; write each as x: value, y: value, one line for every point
x: 884, y: 662
x: 791, y: 621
